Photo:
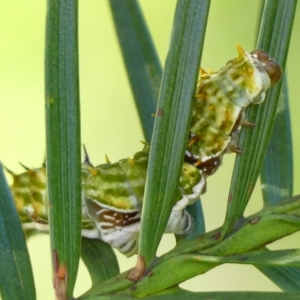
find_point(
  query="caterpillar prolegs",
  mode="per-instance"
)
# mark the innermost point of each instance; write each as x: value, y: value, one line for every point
x: 112, y: 193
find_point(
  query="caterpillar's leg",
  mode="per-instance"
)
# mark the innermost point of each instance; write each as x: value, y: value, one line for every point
x: 235, y: 134
x: 38, y: 223
x: 247, y: 123
x: 180, y: 222
x: 232, y: 146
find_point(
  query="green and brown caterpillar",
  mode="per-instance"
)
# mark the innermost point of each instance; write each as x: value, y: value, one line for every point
x: 112, y: 198
x: 112, y: 193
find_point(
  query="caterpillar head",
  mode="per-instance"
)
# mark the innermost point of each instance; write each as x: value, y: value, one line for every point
x: 246, y: 61
x: 255, y: 72
x: 272, y: 68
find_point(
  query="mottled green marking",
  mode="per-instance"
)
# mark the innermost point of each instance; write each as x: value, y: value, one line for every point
x: 220, y: 101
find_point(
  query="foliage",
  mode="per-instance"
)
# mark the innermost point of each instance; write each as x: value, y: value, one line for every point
x: 240, y: 240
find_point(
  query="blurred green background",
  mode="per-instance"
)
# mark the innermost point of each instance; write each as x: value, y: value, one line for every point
x: 109, y: 120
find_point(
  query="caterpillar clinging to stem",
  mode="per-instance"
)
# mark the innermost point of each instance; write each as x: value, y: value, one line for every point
x: 112, y: 193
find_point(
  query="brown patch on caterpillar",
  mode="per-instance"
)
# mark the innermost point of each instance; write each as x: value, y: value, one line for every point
x: 109, y: 216
x: 208, y: 167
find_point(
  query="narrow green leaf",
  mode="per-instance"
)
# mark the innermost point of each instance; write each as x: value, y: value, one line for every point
x: 196, y: 211
x: 277, y: 181
x: 16, y: 278
x: 184, y: 294
x: 140, y: 57
x: 277, y: 224
x: 277, y: 172
x: 172, y: 121
x: 100, y: 260
x: 63, y: 142
x: 288, y: 257
x: 287, y: 278
x: 274, y: 37
x: 143, y: 68
x: 277, y: 184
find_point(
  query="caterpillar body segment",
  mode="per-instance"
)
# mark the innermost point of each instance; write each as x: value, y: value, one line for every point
x: 29, y: 191
x: 118, y: 227
x: 220, y: 102
x: 114, y: 194
x: 112, y: 198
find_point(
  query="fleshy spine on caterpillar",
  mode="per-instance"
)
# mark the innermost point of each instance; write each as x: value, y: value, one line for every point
x: 112, y: 193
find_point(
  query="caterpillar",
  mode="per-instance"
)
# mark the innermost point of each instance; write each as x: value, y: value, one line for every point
x: 112, y: 196
x: 112, y: 193
x: 220, y: 102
